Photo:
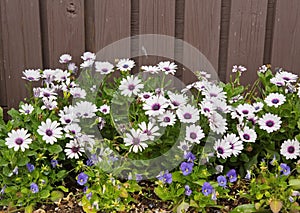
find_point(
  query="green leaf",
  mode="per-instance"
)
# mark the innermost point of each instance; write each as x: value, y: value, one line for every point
x: 13, y: 113
x: 61, y: 174
x: 180, y: 192
x: 54, y: 149
x: 246, y: 208
x: 183, y: 207
x: 3, y: 162
x: 23, y: 161
x: 29, y: 209
x: 162, y: 193
x: 56, y: 195
x: 1, y: 113
x: 177, y: 177
x: 44, y: 193
x: 295, y: 183
x: 64, y: 189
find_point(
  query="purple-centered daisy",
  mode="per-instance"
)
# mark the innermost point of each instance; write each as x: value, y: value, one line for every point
x: 104, y: 67
x: 155, y: 105
x: 18, y: 139
x: 247, y: 134
x: 222, y: 148
x: 269, y: 122
x: 136, y: 140
x: 275, y: 99
x: 290, y: 149
x: 130, y: 86
x: 194, y: 134
x: 50, y: 131
x: 188, y: 114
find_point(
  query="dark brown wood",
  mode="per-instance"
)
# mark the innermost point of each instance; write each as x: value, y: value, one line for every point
x: 157, y: 17
x: 3, y: 100
x: 109, y: 21
x: 21, y: 40
x: 286, y: 37
x: 202, y: 30
x: 247, y: 36
x: 63, y: 30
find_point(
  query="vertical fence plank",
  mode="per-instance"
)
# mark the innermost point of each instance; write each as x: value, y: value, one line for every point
x: 21, y: 44
x: 63, y: 30
x: 3, y: 100
x: 247, y: 36
x: 157, y: 17
x: 108, y: 21
x: 202, y: 30
x: 286, y: 37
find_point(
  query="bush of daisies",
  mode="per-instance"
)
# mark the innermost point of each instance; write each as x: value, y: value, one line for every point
x: 232, y: 147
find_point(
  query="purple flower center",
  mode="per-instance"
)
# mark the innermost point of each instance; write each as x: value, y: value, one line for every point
x: 86, y: 114
x: 46, y: 94
x: 104, y: 110
x: 286, y: 78
x: 213, y: 95
x: 75, y: 149
x: 184, y: 147
x: 187, y: 116
x: 206, y: 110
x: 291, y: 149
x: 125, y: 66
x: 30, y: 78
x: 175, y: 103
x: 49, y: 132
x: 246, y: 136
x: 270, y: 123
x: 146, y: 96
x: 275, y: 101
x: 136, y: 141
x: 193, y: 135
x: 104, y: 70
x: 27, y: 111
x: 147, y: 132
x: 19, y: 141
x: 73, y: 132
x: 167, y: 69
x: 68, y: 120
x: 245, y: 111
x: 131, y: 87
x: 156, y: 107
x: 167, y: 119
x: 220, y: 150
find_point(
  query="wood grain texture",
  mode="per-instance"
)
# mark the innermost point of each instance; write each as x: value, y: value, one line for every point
x: 109, y: 22
x: 3, y: 99
x: 286, y: 37
x: 202, y: 30
x: 63, y: 30
x: 247, y: 36
x: 157, y: 17
x: 21, y: 40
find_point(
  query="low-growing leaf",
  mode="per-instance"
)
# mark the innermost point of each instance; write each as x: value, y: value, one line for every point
x: 246, y: 208
x: 64, y: 189
x: 276, y: 205
x: 295, y: 183
x: 54, y: 149
x: 44, y: 193
x: 56, y: 195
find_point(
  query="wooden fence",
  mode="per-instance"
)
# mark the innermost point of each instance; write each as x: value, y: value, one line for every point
x: 34, y: 33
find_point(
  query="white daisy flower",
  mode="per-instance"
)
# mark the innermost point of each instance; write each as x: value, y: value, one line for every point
x: 155, y: 105
x: 269, y: 122
x: 72, y: 67
x: 235, y: 99
x: 150, y: 69
x: 31, y: 75
x: 125, y: 65
x: 104, y: 67
x: 277, y: 81
x: 188, y: 114
x: 87, y: 64
x: 258, y: 106
x: 200, y: 85
x: 223, y: 149
x: 135, y: 139
x: 194, y: 134
x: 220, y: 105
x: 49, y: 103
x: 65, y: 58
x: 130, y: 86
x: 238, y: 68
x: 275, y: 99
x: 235, y: 143
x: 176, y: 100
x: 145, y: 95
x: 184, y: 146
x: 167, y: 67
x: 87, y: 56
x: 245, y: 110
x: 287, y: 76
x: 50, y: 131
x: 66, y: 110
x: 217, y: 123
x: 213, y: 91
x: 85, y: 109
x: 105, y: 109
x: 26, y: 109
x: 206, y: 108
x: 73, y: 150
x: 47, y: 93
x: 72, y: 130
x: 290, y: 149
x: 247, y: 134
x: 48, y: 75
x: 67, y: 119
x: 262, y: 69
x: 150, y: 130
x: 18, y: 139
x: 204, y: 74
x: 61, y: 76
x: 167, y: 119
x: 78, y: 92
